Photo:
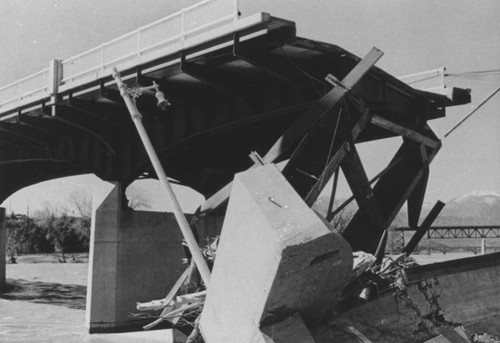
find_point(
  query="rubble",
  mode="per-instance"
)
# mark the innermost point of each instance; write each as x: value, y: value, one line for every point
x: 483, y: 338
x: 362, y: 262
x: 280, y: 272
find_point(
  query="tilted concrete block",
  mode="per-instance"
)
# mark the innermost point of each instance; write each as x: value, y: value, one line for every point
x: 275, y: 258
x: 289, y: 330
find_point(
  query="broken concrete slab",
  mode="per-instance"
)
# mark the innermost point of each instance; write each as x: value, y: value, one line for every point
x: 435, y: 300
x: 275, y: 258
x: 291, y: 329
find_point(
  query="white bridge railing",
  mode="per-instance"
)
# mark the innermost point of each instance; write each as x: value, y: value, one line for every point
x: 147, y: 39
x: 427, y: 80
x: 25, y: 90
x: 132, y: 48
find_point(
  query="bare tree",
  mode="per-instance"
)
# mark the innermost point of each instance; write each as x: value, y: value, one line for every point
x: 81, y: 199
x: 50, y: 209
x: 12, y: 244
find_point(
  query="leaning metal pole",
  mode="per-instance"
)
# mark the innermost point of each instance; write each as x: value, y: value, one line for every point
x: 179, y: 214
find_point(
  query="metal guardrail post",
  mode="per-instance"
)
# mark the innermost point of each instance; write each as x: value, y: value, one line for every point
x: 183, y: 23
x: 101, y: 50
x: 55, y: 76
x: 236, y: 10
x: 138, y: 52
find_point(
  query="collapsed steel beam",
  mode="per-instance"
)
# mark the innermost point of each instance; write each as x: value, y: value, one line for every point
x: 331, y: 214
x: 412, y: 244
x: 416, y: 198
x: 391, y: 191
x: 305, y: 122
x: 358, y: 182
x: 403, y: 131
x: 336, y: 160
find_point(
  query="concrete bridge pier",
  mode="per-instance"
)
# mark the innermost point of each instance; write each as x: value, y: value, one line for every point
x: 3, y: 244
x: 135, y: 256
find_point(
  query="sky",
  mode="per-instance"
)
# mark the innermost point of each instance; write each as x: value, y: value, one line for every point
x: 414, y: 35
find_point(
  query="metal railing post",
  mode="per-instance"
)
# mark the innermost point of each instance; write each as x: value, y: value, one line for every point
x: 138, y: 42
x: 235, y: 9
x: 55, y: 76
x: 183, y: 23
x: 102, y: 57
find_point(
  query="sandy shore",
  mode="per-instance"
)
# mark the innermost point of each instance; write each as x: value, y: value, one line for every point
x: 45, y: 302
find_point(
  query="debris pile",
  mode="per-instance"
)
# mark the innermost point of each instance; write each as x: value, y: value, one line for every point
x: 279, y: 270
x: 483, y: 338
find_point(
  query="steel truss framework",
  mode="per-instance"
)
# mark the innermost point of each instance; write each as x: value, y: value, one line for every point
x: 465, y: 231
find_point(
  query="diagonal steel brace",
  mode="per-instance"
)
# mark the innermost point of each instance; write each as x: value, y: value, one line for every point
x: 304, y: 123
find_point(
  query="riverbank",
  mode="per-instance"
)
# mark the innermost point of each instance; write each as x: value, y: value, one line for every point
x: 45, y: 302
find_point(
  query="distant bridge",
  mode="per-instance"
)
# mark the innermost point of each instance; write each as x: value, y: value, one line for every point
x: 447, y: 232
x: 463, y: 231
x: 486, y: 231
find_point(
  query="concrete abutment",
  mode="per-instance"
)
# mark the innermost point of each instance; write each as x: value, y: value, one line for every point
x: 3, y: 247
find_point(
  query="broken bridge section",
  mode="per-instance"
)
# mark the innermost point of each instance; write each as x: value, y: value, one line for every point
x: 250, y: 85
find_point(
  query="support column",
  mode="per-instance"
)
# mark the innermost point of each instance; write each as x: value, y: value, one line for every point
x: 135, y: 256
x: 390, y: 193
x: 483, y: 246
x: 3, y: 244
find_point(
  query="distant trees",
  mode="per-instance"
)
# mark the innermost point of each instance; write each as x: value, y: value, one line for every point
x: 51, y: 229
x: 22, y: 235
x: 25, y: 237
x: 65, y: 234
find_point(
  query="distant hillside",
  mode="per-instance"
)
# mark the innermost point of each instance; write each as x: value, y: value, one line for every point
x: 475, y: 208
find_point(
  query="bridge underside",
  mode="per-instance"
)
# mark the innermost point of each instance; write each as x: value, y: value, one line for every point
x: 229, y: 97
